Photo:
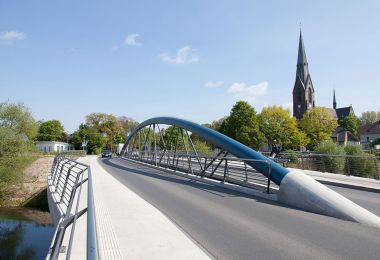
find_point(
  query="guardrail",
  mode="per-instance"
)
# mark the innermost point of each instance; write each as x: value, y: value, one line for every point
x: 66, y: 181
x: 226, y: 169
x: 362, y: 166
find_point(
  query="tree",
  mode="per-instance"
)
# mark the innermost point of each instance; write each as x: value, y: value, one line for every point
x: 318, y: 124
x: 51, y: 130
x: 114, y: 127
x: 276, y: 123
x: 351, y: 123
x: 18, y: 118
x: 369, y: 117
x: 242, y: 125
x: 95, y: 141
x: 216, y: 124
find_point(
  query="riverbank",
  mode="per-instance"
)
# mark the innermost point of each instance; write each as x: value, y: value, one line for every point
x: 31, y: 192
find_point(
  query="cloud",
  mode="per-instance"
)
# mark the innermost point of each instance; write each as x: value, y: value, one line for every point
x: 214, y: 84
x: 184, y: 55
x: 132, y: 39
x: 249, y: 93
x: 12, y: 36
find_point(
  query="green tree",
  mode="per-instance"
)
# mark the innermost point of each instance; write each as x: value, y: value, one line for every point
x: 242, y: 125
x: 276, y: 123
x: 352, y: 124
x: 95, y: 141
x: 318, y: 124
x: 369, y: 117
x: 18, y: 118
x: 216, y: 124
x: 51, y: 130
x: 115, y: 128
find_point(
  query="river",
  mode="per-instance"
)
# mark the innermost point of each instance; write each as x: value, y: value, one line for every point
x: 24, y: 233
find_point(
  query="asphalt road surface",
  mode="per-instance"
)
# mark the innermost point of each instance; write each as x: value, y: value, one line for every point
x: 232, y: 225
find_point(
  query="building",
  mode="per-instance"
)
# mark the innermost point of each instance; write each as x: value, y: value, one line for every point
x: 53, y: 146
x: 303, y: 90
x: 344, y: 137
x: 342, y: 112
x: 369, y: 133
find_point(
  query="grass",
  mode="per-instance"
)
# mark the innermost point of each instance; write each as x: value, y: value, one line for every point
x: 11, y: 172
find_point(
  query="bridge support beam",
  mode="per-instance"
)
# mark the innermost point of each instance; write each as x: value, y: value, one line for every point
x: 301, y: 191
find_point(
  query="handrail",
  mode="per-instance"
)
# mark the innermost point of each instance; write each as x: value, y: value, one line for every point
x: 67, y: 177
x: 234, y: 170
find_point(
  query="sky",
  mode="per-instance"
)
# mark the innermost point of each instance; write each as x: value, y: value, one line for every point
x: 189, y: 59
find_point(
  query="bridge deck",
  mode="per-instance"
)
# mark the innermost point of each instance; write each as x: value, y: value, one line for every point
x: 131, y: 228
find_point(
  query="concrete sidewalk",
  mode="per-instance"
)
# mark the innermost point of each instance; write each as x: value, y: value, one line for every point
x: 352, y: 182
x: 131, y: 228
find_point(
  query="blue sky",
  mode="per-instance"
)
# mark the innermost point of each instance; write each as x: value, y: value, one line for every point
x: 190, y: 59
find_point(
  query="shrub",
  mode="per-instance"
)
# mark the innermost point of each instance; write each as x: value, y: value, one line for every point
x: 359, y: 166
x: 332, y: 159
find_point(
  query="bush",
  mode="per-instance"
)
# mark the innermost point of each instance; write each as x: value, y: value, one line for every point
x: 203, y: 148
x: 333, y: 163
x: 364, y: 166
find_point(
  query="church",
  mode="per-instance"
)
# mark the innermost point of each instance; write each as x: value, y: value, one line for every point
x: 303, y: 91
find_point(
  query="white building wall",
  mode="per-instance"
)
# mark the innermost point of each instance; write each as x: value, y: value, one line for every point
x: 52, y: 146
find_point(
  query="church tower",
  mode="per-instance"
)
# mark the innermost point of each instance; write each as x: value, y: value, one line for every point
x: 303, y: 91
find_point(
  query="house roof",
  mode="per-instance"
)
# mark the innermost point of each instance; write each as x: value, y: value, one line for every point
x: 340, y: 134
x: 371, y: 129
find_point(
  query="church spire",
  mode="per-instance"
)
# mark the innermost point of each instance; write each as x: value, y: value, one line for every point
x: 302, y: 65
x: 334, y: 100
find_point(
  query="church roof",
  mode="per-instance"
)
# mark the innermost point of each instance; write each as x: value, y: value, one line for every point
x: 342, y: 112
x: 302, y: 65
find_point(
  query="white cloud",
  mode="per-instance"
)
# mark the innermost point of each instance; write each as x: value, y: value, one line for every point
x: 184, y: 55
x: 214, y: 84
x: 132, y: 39
x: 12, y: 36
x: 249, y: 93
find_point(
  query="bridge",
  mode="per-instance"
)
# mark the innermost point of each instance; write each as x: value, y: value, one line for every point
x: 168, y: 197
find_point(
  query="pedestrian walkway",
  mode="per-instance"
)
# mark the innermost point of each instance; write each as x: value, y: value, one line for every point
x: 131, y: 228
x: 352, y: 182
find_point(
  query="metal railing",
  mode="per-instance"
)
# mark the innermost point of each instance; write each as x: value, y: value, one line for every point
x: 66, y: 178
x: 361, y: 166
x: 221, y: 167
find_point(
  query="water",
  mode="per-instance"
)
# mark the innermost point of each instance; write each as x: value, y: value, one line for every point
x: 24, y: 233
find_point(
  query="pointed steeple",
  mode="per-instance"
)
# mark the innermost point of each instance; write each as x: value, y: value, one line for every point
x: 334, y: 100
x: 302, y: 65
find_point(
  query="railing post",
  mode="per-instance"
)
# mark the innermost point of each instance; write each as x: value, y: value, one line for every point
x: 246, y: 172
x: 303, y: 165
x: 269, y: 176
x: 348, y: 166
x: 225, y: 170
x: 377, y: 168
x: 66, y: 181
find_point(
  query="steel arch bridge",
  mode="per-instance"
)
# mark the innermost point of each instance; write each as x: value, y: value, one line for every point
x: 183, y: 147
x: 173, y: 143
